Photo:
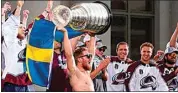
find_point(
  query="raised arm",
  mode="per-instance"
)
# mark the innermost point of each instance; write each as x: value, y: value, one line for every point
x: 68, y: 51
x: 25, y: 17
x: 159, y: 56
x: 92, y: 47
x: 12, y: 22
x: 74, y: 42
x: 44, y: 14
x: 92, y: 44
x: 6, y: 7
x: 174, y: 36
x: 47, y: 11
x: 19, y: 7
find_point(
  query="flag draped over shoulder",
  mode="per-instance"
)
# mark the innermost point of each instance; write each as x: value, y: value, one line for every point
x: 39, y: 51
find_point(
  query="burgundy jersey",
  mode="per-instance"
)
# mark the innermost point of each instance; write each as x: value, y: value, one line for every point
x: 144, y: 77
x: 168, y: 73
x: 59, y: 78
x: 116, y: 67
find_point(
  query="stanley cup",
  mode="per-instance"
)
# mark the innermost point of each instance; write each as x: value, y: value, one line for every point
x: 94, y: 17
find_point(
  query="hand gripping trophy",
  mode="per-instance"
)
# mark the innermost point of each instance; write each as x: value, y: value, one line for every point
x: 95, y: 17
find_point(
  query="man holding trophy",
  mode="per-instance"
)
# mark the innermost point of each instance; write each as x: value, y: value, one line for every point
x: 82, y: 17
x: 92, y: 18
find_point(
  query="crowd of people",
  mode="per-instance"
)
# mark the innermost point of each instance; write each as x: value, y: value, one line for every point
x: 80, y: 64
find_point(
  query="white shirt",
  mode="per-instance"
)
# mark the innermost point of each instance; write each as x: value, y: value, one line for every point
x: 146, y: 78
x: 113, y: 69
x: 12, y: 46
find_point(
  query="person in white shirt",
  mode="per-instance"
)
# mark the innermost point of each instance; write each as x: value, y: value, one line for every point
x: 117, y: 66
x: 14, y: 76
x: 143, y: 75
x: 5, y: 9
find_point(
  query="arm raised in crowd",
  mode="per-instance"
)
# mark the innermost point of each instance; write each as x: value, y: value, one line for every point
x: 25, y: 17
x: 44, y: 14
x: 173, y: 39
x: 12, y: 22
x: 159, y: 56
x: 48, y: 9
x: 6, y: 7
x: 92, y: 44
x: 20, y: 3
x: 91, y: 47
x: 68, y: 51
x: 74, y: 42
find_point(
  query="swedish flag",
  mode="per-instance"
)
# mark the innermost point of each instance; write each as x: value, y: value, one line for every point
x: 39, y: 51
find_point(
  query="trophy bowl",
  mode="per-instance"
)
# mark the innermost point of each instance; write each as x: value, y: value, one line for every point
x: 93, y: 17
x: 61, y: 15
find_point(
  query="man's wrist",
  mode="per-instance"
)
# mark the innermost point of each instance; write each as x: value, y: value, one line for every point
x: 47, y: 11
x: 19, y: 7
x: 25, y: 19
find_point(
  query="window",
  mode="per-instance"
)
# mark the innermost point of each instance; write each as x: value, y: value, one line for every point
x: 133, y: 22
x: 119, y: 4
x: 119, y: 27
x: 145, y: 6
x: 140, y: 32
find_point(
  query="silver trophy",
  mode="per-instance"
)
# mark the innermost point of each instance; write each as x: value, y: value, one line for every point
x: 94, y: 17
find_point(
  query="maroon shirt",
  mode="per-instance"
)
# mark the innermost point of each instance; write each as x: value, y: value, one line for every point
x: 59, y: 75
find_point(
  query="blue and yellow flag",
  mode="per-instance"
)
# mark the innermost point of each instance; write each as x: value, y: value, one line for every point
x: 39, y: 51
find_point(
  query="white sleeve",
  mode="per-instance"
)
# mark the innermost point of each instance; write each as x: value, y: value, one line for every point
x: 162, y: 86
x: 95, y: 61
x: 10, y: 29
x: 132, y: 83
x: 176, y: 62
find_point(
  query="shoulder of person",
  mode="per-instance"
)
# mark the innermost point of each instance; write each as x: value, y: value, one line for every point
x: 130, y: 61
x: 114, y: 58
x: 133, y: 66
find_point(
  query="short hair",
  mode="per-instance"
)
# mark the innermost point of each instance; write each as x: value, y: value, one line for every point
x: 147, y: 44
x: 78, y: 52
x: 121, y: 43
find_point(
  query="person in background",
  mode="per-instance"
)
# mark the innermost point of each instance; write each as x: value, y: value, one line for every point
x: 117, y: 67
x: 59, y: 78
x: 101, y: 78
x: 5, y: 10
x: 14, y: 76
x: 142, y: 75
x: 173, y: 40
x: 168, y: 67
x: 169, y: 70
x: 98, y: 73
